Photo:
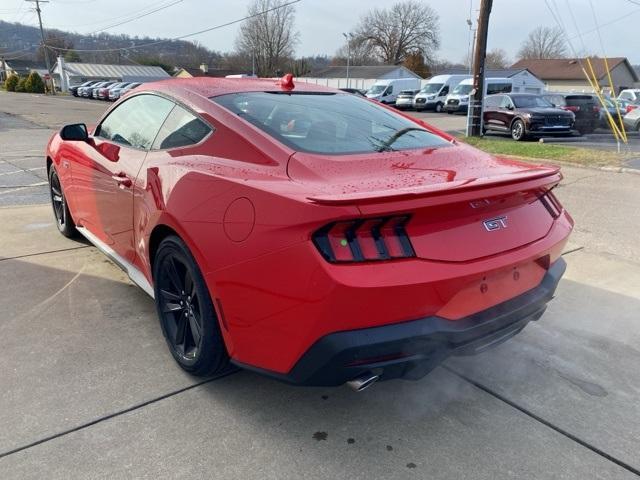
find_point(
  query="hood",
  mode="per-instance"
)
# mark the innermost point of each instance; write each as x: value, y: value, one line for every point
x: 375, y: 176
x: 545, y: 111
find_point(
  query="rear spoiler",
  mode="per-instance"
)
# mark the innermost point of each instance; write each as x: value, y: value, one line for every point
x: 449, y: 191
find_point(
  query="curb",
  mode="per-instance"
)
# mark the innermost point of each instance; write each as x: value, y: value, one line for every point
x: 603, y: 168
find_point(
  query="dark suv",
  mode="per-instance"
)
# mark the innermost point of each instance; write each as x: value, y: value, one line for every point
x: 523, y: 115
x: 584, y: 106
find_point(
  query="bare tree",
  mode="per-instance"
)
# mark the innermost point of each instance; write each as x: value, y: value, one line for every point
x: 544, y: 42
x: 497, y: 59
x: 405, y: 28
x: 270, y: 37
x: 361, y: 53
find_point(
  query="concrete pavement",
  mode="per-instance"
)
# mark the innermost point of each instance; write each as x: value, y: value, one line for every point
x: 89, y: 389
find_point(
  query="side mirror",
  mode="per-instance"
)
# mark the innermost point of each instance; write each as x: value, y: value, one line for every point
x: 74, y: 132
x: 510, y: 107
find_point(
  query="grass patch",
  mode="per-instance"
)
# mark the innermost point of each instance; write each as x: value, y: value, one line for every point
x: 546, y: 151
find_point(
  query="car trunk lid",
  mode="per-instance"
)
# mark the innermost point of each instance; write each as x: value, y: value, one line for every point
x: 464, y: 204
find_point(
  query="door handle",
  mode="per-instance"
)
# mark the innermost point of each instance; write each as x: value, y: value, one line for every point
x: 122, y: 179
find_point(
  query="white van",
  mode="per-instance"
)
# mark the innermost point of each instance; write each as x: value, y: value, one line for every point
x: 458, y: 99
x: 435, y: 91
x: 386, y: 91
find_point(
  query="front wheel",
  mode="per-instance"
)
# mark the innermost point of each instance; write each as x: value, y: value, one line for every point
x: 187, y: 316
x: 64, y: 222
x: 438, y: 107
x: 517, y: 130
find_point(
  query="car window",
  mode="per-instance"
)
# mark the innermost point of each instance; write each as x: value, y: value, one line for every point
x: 505, y: 102
x: 389, y: 90
x: 498, y: 88
x: 445, y: 90
x: 136, y: 121
x: 181, y: 128
x: 492, y: 101
x: 329, y: 123
x: 530, y: 101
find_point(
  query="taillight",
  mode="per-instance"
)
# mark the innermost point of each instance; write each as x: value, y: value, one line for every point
x: 572, y: 108
x: 596, y: 108
x: 364, y: 240
x: 631, y: 107
x: 551, y: 203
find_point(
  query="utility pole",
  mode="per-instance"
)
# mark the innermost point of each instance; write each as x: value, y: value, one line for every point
x: 44, y: 45
x: 348, y: 38
x: 475, y: 106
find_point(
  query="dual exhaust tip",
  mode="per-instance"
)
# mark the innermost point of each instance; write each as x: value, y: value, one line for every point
x: 363, y: 382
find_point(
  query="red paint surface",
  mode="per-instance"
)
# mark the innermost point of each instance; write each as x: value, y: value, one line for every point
x: 277, y: 293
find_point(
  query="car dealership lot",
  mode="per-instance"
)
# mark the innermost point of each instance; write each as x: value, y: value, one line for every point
x: 89, y: 388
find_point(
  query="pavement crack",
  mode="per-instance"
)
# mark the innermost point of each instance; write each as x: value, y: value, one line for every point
x: 109, y: 416
x: 17, y: 257
x: 544, y: 422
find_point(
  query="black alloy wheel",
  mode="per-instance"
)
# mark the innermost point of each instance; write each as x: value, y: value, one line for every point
x: 186, y: 313
x: 517, y: 130
x: 64, y: 222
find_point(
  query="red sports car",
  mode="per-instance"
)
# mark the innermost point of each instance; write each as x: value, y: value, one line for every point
x: 306, y: 233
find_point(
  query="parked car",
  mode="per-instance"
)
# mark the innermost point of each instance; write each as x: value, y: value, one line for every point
x: 632, y: 120
x: 386, y: 91
x: 74, y: 89
x: 585, y: 106
x: 524, y: 115
x: 103, y: 93
x: 120, y: 92
x: 434, y: 93
x: 631, y: 95
x: 83, y: 89
x: 610, y: 107
x: 458, y: 99
x: 349, y: 233
x: 87, y: 92
x: 95, y: 92
x: 355, y: 91
x: 404, y: 100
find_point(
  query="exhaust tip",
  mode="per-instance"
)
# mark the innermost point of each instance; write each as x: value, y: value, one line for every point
x: 363, y: 382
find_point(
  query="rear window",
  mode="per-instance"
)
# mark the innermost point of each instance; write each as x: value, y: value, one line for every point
x: 530, y: 101
x: 579, y: 99
x: 329, y: 123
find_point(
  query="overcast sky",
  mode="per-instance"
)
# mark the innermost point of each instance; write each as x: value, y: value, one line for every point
x: 321, y: 22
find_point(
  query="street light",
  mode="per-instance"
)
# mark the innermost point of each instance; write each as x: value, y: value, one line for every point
x: 348, y: 38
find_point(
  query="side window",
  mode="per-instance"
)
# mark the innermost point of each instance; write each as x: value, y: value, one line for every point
x: 136, y: 122
x: 505, y: 102
x: 444, y: 91
x: 180, y: 129
x: 625, y: 95
x: 491, y: 102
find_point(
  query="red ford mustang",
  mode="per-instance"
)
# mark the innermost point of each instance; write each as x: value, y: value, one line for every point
x: 306, y: 233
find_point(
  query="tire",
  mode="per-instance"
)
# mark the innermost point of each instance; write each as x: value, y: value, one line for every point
x: 518, y: 131
x: 187, y: 316
x: 438, y: 108
x: 64, y: 221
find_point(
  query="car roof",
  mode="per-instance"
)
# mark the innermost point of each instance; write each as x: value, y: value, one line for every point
x: 213, y: 87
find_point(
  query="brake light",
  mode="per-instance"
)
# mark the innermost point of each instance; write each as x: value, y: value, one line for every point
x: 364, y: 240
x: 596, y: 108
x: 631, y: 107
x: 571, y: 108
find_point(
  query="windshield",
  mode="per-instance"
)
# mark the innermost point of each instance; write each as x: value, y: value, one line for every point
x: 329, y: 123
x: 530, y: 101
x: 462, y: 89
x: 376, y: 89
x: 431, y: 88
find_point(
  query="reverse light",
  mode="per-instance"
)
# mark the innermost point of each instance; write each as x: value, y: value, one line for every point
x: 364, y: 240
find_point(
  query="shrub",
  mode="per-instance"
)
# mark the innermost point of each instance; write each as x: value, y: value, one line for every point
x: 34, y: 83
x: 11, y: 82
x: 21, y: 85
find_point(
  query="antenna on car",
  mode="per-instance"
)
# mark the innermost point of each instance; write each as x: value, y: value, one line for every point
x: 286, y: 82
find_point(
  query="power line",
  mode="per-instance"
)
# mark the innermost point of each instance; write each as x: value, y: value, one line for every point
x: 142, y: 45
x: 138, y: 16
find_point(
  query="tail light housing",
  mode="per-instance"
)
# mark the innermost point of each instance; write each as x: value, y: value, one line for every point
x: 364, y: 240
x: 571, y: 108
x: 551, y: 203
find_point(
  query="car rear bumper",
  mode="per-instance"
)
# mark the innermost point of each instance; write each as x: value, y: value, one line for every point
x: 412, y: 349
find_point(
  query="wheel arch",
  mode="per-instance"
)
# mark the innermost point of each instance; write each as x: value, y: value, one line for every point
x: 159, y: 233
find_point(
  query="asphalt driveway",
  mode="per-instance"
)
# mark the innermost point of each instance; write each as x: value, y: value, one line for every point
x: 89, y: 390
